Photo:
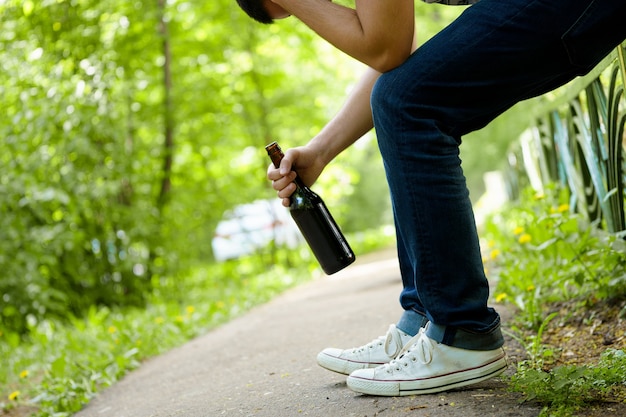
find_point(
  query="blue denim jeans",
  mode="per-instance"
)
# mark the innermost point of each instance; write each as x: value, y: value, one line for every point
x: 497, y: 53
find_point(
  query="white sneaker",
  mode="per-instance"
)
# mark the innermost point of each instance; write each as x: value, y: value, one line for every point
x: 378, y: 352
x: 426, y: 367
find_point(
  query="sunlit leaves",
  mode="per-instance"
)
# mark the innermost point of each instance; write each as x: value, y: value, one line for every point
x: 65, y: 150
x: 548, y: 253
x: 83, y: 95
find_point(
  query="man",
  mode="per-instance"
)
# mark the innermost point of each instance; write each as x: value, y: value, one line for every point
x: 497, y: 53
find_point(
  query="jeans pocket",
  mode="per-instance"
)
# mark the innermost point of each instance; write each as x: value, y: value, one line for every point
x: 599, y: 29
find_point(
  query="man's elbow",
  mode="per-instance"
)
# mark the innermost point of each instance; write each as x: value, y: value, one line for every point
x: 388, y: 61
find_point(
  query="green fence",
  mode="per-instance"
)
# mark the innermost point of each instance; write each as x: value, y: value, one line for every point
x: 578, y: 140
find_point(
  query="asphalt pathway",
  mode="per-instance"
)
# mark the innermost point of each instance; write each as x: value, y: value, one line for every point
x: 263, y: 363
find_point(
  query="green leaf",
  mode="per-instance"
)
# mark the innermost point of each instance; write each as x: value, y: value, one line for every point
x: 58, y: 366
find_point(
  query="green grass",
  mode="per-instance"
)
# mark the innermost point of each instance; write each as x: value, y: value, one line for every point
x: 545, y: 253
x: 566, y: 390
x: 60, y: 365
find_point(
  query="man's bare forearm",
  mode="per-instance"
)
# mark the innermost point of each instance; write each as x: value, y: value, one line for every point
x: 353, y: 120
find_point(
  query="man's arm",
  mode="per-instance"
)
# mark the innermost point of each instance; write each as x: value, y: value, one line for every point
x: 353, y: 120
x: 378, y: 33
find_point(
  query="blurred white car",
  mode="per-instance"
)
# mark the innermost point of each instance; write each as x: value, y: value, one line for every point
x: 250, y: 227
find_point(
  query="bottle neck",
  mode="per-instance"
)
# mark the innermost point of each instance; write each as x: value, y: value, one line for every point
x: 299, y: 183
x: 277, y: 155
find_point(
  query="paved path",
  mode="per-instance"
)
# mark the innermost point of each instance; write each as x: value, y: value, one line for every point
x: 263, y: 363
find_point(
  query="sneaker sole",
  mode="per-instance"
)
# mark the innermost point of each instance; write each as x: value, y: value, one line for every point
x: 342, y: 366
x: 428, y: 385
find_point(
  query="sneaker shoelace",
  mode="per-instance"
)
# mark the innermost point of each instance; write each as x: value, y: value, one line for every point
x: 392, y: 342
x: 420, y: 348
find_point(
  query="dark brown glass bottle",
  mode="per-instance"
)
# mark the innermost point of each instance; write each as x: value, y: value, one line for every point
x: 315, y: 222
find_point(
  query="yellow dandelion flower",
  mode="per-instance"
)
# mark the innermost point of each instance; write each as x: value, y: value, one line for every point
x: 24, y: 373
x: 539, y: 196
x: 501, y: 297
x: 518, y: 230
x: 220, y: 304
x: 13, y: 396
x: 530, y: 288
x: 112, y: 329
x: 494, y: 253
x: 525, y: 238
x: 159, y: 320
x: 179, y: 319
x: 190, y: 309
x: 491, y: 243
x: 563, y: 208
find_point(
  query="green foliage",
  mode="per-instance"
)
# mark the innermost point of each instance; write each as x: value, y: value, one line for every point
x: 83, y: 153
x: 548, y: 253
x: 91, y: 212
x: 566, y: 389
x: 355, y: 188
x: 538, y: 354
x: 70, y: 233
x: 108, y: 342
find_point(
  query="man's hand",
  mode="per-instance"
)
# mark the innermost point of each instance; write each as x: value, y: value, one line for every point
x: 305, y: 160
x: 352, y: 122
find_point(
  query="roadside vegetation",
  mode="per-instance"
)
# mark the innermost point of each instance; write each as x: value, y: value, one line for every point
x: 61, y: 364
x: 567, y: 280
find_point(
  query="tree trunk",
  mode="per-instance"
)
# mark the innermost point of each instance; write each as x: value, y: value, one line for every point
x: 168, y: 145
